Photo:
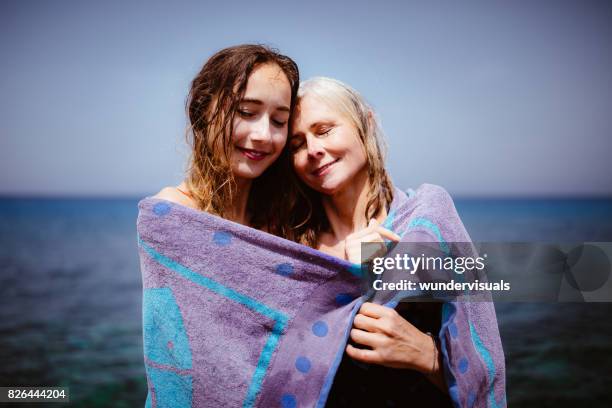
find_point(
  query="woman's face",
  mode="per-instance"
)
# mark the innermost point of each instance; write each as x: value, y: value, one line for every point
x: 260, y: 124
x: 327, y: 151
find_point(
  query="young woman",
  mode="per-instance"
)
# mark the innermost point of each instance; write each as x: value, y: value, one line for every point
x: 338, y: 153
x: 239, y: 107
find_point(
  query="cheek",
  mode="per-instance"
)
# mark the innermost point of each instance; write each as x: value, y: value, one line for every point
x: 356, y: 151
x: 360, y: 157
x: 280, y: 139
x: 239, y: 130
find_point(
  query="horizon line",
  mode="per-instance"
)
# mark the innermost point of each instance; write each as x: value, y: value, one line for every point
x: 459, y: 196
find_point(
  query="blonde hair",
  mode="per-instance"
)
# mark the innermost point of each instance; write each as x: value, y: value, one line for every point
x: 309, y: 218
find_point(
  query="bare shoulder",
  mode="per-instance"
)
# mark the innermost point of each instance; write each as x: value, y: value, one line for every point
x: 174, y: 195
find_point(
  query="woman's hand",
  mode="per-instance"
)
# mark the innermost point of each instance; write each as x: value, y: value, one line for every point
x: 372, y: 233
x: 393, y: 341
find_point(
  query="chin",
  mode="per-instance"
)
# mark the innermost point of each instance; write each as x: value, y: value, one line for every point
x: 248, y: 173
x: 327, y: 188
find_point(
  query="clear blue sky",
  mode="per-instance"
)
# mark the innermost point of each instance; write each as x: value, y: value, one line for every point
x: 484, y: 98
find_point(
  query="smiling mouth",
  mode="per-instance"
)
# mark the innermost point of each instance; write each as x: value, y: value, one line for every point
x: 323, y: 169
x: 253, y: 154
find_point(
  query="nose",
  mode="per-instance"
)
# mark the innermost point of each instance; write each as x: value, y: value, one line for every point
x: 261, y: 129
x: 314, y: 147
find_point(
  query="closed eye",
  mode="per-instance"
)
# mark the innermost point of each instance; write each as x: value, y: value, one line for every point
x: 245, y: 114
x: 279, y: 123
x: 324, y: 131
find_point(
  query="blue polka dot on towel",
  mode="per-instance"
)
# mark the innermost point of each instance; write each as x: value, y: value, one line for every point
x: 454, y: 394
x: 320, y: 329
x: 452, y: 328
x: 463, y: 365
x: 284, y: 269
x: 302, y: 364
x: 222, y: 238
x: 161, y: 209
x: 343, y: 299
x: 471, y: 399
x: 288, y: 401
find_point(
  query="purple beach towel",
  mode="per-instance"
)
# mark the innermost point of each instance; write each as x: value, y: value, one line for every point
x: 236, y: 317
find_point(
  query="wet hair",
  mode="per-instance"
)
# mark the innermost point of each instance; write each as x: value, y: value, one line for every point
x: 212, y: 103
x: 307, y: 218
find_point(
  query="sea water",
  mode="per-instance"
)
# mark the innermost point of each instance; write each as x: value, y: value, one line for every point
x: 70, y: 295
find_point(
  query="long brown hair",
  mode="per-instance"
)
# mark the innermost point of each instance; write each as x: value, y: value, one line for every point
x: 307, y: 217
x: 212, y: 103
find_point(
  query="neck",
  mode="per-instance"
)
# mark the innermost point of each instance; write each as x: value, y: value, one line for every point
x: 237, y: 209
x: 345, y: 209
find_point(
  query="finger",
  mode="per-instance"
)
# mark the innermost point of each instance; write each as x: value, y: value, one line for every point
x: 372, y: 225
x: 365, y: 356
x: 375, y: 311
x: 365, y: 338
x: 364, y: 322
x: 388, y: 234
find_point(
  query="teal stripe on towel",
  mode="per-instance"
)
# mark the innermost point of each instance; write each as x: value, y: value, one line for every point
x: 431, y: 226
x: 262, y: 364
x: 215, y: 286
x: 280, y: 318
x: 486, y: 357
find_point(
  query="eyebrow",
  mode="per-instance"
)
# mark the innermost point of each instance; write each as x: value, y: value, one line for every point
x: 258, y: 102
x: 321, y: 123
x: 314, y: 126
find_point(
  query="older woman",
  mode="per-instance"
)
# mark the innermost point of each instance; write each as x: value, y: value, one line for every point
x: 337, y: 152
